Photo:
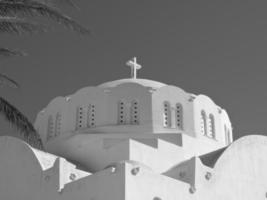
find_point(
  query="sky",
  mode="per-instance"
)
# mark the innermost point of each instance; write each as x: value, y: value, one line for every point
x: 211, y: 47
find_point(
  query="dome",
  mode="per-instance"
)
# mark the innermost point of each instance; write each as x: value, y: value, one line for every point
x: 90, y: 125
x: 133, y: 106
x: 143, y: 82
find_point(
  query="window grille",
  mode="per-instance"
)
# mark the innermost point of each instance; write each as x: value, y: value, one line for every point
x: 179, y: 116
x: 166, y: 115
x: 135, y: 112
x: 80, y: 118
x: 91, y: 114
x: 121, y: 112
x: 58, y: 124
x: 50, y: 127
x: 203, y: 123
x: 211, y: 127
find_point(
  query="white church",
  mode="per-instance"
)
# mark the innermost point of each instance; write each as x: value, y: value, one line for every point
x: 134, y: 139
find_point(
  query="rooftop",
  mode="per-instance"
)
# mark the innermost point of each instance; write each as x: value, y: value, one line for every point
x: 143, y: 82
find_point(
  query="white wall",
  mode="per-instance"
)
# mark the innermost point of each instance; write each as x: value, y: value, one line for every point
x: 202, y: 102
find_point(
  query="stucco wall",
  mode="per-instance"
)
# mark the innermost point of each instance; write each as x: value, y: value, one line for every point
x: 239, y: 173
x: 204, y: 103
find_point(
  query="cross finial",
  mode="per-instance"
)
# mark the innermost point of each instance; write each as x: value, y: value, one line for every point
x: 134, y: 67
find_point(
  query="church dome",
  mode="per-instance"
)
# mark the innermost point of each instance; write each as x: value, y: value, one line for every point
x: 95, y: 122
x: 143, y: 82
x: 134, y: 106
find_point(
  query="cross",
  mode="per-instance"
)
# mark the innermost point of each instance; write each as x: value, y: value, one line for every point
x: 134, y: 67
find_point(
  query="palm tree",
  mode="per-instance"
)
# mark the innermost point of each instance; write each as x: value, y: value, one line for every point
x: 12, y: 13
x: 13, y: 115
x: 17, y: 17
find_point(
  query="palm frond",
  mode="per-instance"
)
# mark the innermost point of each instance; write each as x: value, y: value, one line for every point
x: 19, y: 26
x: 6, y: 52
x: 33, y: 8
x: 16, y: 118
x: 5, y: 80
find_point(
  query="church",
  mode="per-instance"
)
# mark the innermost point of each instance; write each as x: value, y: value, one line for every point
x: 132, y: 139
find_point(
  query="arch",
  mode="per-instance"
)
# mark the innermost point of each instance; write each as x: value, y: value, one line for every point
x: 203, y: 123
x: 135, y: 116
x: 179, y: 116
x: 166, y: 114
x: 211, y: 126
x: 122, y: 112
x: 91, y: 110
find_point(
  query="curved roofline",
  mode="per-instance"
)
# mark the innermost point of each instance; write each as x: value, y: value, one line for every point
x: 143, y: 82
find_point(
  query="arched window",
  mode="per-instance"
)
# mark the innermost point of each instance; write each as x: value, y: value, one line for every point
x: 203, y: 123
x: 211, y: 126
x: 135, y: 112
x: 121, y: 112
x: 80, y: 119
x: 57, y: 124
x: 50, y: 127
x: 166, y: 114
x: 179, y: 116
x: 91, y: 109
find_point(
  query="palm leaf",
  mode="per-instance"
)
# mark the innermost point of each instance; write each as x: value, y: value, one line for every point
x: 33, y: 8
x: 16, y: 118
x: 19, y: 26
x: 5, y: 80
x: 5, y: 52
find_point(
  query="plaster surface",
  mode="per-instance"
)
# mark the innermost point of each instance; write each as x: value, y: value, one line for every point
x: 239, y: 173
x: 134, y: 139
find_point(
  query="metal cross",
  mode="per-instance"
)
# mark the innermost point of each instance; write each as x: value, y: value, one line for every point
x: 134, y: 67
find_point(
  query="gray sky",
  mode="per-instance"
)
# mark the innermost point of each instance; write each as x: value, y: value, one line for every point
x: 211, y: 47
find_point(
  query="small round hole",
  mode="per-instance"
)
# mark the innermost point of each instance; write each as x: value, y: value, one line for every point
x: 135, y: 170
